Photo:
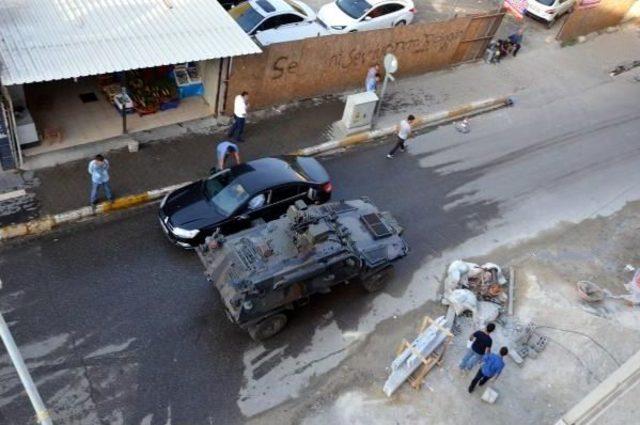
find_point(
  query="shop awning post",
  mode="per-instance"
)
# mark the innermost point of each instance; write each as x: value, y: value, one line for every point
x: 42, y: 414
x: 124, y: 103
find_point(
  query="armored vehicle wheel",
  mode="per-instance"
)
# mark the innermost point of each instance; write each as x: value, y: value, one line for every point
x: 268, y: 327
x: 377, y: 280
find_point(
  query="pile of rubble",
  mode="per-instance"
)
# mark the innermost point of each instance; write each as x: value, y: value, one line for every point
x: 481, y: 290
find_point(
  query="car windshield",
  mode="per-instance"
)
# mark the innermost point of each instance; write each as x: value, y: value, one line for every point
x: 546, y: 2
x: 224, y: 193
x: 246, y: 16
x: 353, y: 8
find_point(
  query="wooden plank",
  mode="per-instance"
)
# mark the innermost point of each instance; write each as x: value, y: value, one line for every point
x: 512, y: 283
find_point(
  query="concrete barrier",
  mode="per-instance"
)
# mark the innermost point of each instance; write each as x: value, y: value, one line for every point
x: 45, y: 224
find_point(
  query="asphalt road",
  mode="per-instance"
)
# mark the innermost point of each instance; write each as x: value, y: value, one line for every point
x: 118, y: 326
x: 132, y: 325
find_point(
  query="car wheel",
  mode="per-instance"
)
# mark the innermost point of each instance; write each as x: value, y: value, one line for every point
x: 400, y: 24
x: 268, y: 327
x: 378, y: 280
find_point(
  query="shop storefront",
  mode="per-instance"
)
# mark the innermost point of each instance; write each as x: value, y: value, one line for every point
x: 143, y: 85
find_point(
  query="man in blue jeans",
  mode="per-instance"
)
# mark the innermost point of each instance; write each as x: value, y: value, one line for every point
x: 99, y: 170
x: 492, y: 365
x: 481, y: 345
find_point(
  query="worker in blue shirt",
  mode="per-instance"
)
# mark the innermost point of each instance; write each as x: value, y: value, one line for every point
x: 492, y: 365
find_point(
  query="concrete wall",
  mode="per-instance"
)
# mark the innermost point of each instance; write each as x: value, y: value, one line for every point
x: 322, y: 65
x: 593, y: 15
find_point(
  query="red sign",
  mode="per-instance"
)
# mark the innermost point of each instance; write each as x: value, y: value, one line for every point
x: 587, y: 4
x: 516, y: 7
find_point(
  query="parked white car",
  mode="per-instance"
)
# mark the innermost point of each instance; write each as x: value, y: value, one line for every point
x: 549, y: 10
x: 343, y: 16
x: 261, y: 15
x: 291, y: 33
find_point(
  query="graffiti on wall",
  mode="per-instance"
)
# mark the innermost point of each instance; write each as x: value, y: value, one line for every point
x: 359, y: 56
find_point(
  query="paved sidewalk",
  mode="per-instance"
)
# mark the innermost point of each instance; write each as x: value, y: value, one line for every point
x: 190, y: 154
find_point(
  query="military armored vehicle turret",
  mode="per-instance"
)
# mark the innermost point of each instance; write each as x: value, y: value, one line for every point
x: 273, y: 267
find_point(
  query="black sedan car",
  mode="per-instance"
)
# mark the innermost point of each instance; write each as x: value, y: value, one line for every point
x: 231, y: 199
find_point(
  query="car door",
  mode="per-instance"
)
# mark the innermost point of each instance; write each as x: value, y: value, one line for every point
x: 289, y: 19
x: 282, y: 197
x: 278, y: 21
x: 378, y: 17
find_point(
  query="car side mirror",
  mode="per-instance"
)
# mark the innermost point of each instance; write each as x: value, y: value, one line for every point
x: 367, y: 18
x: 243, y: 217
x: 312, y: 194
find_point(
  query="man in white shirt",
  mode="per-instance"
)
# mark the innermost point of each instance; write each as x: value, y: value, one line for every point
x: 240, y: 105
x: 403, y: 131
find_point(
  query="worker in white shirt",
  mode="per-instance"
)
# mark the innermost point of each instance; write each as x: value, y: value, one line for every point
x: 240, y: 105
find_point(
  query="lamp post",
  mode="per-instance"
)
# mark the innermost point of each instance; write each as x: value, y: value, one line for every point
x: 42, y: 414
x: 390, y: 66
x: 124, y: 102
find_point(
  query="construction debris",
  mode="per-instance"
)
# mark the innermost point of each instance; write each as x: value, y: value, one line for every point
x: 512, y: 285
x: 414, y: 360
x: 490, y: 395
x: 470, y: 287
x: 527, y: 342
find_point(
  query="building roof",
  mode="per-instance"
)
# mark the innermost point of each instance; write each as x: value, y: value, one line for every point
x: 42, y: 40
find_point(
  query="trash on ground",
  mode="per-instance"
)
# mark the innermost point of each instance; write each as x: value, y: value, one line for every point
x: 414, y: 360
x: 463, y: 126
x: 490, y: 395
x: 589, y: 291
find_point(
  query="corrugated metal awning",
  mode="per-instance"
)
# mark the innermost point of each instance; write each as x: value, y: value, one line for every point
x: 42, y: 40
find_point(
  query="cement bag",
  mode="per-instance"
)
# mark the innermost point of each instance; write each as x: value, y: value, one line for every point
x: 457, y: 274
x: 463, y: 300
x: 499, y: 275
x: 487, y: 312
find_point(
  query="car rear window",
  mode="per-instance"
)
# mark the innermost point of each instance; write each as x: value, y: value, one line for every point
x: 546, y: 2
x: 246, y: 16
x: 353, y: 8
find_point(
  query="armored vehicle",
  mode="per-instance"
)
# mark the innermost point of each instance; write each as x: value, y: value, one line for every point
x: 273, y: 267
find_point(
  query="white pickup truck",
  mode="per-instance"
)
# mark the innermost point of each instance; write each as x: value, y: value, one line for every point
x: 291, y: 32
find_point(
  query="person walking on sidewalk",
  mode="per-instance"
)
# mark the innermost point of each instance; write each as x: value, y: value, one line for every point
x: 403, y: 131
x: 224, y: 150
x: 240, y: 105
x: 480, y: 345
x: 492, y: 365
x: 99, y: 171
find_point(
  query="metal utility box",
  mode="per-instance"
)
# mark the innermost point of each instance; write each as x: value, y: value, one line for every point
x: 358, y: 112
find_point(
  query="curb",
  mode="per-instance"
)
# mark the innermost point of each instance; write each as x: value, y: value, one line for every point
x: 429, y: 120
x: 47, y: 223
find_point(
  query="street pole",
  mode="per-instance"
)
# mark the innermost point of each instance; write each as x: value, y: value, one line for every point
x: 387, y: 77
x: 42, y: 414
x: 124, y: 102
